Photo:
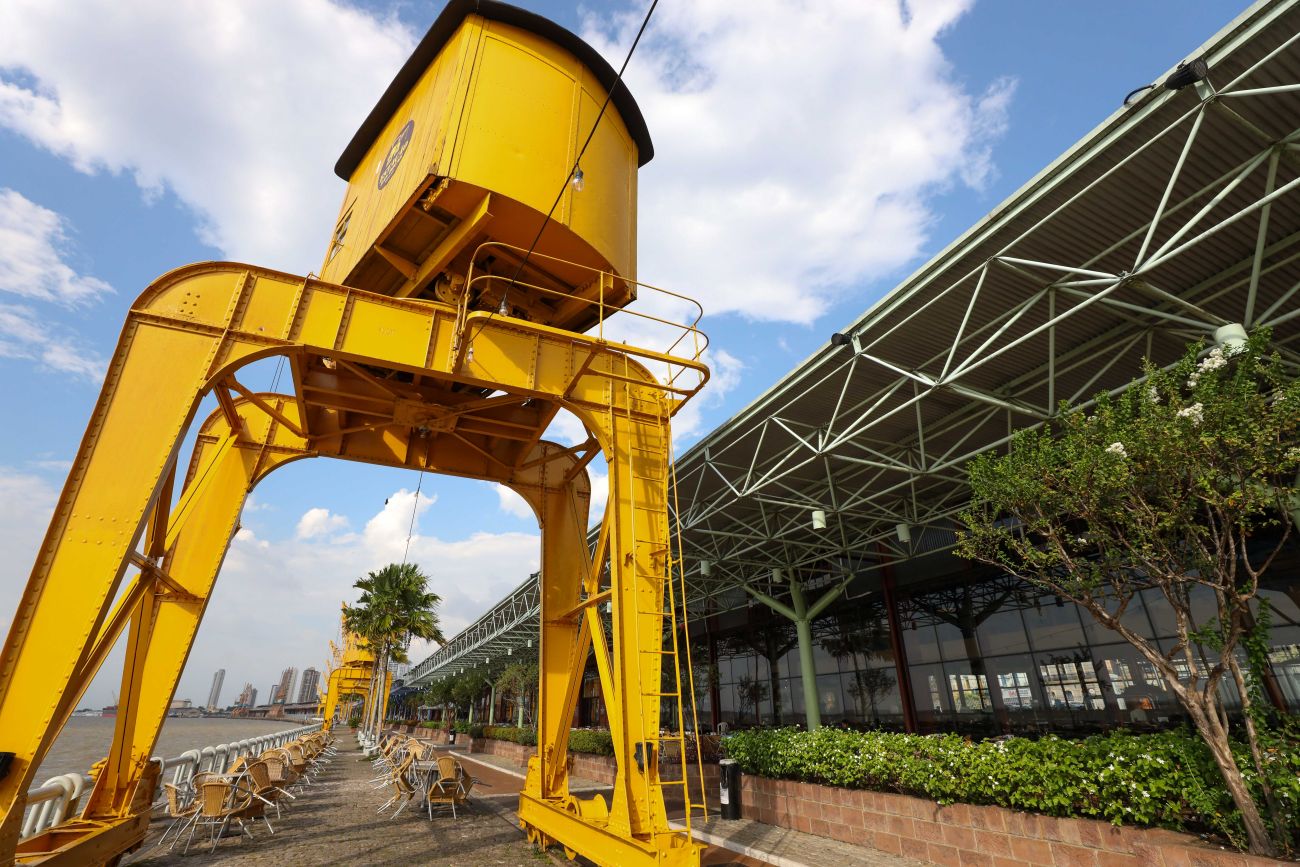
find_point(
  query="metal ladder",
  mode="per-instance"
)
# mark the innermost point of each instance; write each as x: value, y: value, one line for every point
x: 651, y: 468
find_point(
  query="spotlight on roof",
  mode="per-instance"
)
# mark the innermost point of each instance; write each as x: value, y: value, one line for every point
x: 839, y: 338
x: 1187, y: 74
x: 706, y: 568
x: 819, y: 519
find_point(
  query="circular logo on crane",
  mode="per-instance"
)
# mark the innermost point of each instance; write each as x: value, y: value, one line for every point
x: 395, y: 153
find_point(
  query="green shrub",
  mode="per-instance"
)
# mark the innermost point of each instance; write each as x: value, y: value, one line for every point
x: 1167, y: 779
x: 527, y: 737
x: 476, y: 731
x: 461, y: 727
x: 429, y: 724
x: 589, y: 741
x: 580, y: 740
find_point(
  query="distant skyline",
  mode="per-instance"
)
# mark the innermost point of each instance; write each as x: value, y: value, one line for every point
x: 787, y: 195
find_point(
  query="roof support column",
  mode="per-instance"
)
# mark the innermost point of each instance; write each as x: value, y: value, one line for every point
x: 803, y: 616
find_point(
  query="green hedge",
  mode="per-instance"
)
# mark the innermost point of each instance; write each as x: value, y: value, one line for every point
x: 580, y: 740
x: 514, y: 734
x: 589, y: 741
x: 1167, y: 779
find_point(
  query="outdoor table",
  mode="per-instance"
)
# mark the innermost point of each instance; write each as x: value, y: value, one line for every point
x: 428, y: 772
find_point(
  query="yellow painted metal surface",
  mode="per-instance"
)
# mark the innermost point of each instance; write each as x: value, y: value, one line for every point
x: 416, y: 366
x: 350, y: 676
x: 498, y: 110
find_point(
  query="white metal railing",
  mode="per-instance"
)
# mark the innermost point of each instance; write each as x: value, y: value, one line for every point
x: 51, y: 804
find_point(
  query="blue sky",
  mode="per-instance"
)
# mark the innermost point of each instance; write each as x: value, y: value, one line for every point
x: 807, y: 159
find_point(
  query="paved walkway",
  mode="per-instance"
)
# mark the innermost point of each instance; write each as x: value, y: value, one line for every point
x: 333, y: 823
x: 784, y: 847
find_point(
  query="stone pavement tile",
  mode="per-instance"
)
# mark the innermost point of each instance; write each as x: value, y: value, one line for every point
x: 785, y: 847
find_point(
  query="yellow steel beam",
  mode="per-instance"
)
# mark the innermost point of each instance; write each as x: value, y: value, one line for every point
x: 448, y: 248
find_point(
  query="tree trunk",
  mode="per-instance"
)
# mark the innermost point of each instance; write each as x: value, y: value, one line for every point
x: 1215, y: 736
x: 1256, y: 754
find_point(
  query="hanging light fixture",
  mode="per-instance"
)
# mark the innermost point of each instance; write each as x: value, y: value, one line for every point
x: 819, y: 519
x: 578, y: 180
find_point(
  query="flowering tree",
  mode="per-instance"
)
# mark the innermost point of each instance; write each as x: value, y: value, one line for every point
x: 1184, y: 483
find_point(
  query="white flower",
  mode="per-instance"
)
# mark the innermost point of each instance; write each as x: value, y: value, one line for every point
x: 1213, y: 361
x: 1117, y: 449
x: 1080, y: 540
x: 1195, y: 412
x: 1153, y: 395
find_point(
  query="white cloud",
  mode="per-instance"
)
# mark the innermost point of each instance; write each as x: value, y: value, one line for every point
x: 239, y: 107
x: 33, y: 243
x: 320, y: 522
x: 26, y: 503
x: 33, y: 266
x: 796, y: 144
x: 26, y: 334
x: 513, y: 504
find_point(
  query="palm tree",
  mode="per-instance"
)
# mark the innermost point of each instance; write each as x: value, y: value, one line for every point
x: 395, y: 606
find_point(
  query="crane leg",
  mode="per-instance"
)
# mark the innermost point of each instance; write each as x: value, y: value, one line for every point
x: 148, y: 399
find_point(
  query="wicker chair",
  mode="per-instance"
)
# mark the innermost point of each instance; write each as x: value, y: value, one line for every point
x: 180, y: 811
x: 404, y: 790
x: 452, y: 787
x: 220, y: 802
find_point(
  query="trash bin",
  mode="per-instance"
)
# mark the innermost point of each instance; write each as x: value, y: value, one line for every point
x: 729, y: 794
x: 451, y: 737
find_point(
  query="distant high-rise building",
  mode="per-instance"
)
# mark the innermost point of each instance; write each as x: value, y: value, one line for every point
x: 247, y: 696
x: 271, y: 696
x: 252, y: 698
x: 215, y: 695
x: 284, y: 689
x: 310, y: 680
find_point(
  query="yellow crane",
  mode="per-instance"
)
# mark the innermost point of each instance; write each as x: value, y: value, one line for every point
x: 451, y: 322
x: 351, y: 675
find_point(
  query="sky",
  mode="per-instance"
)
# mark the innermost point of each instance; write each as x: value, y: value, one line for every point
x: 808, y: 156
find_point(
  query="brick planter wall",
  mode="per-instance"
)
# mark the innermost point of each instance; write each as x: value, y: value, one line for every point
x: 964, y: 835
x: 516, y: 753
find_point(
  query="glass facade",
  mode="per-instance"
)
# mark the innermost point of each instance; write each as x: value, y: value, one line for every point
x: 972, y: 652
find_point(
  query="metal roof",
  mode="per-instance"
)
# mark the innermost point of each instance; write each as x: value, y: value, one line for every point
x: 1180, y: 213
x: 1177, y: 215
x: 509, y: 625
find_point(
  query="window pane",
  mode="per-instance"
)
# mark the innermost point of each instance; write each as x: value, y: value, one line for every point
x: 929, y: 694
x: 1140, y: 695
x: 1053, y: 622
x: 1003, y: 632
x: 1072, y: 691
x: 830, y: 698
x: 920, y: 643
x: 872, y: 698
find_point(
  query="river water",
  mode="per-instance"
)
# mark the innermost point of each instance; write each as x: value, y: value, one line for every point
x: 85, y: 740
